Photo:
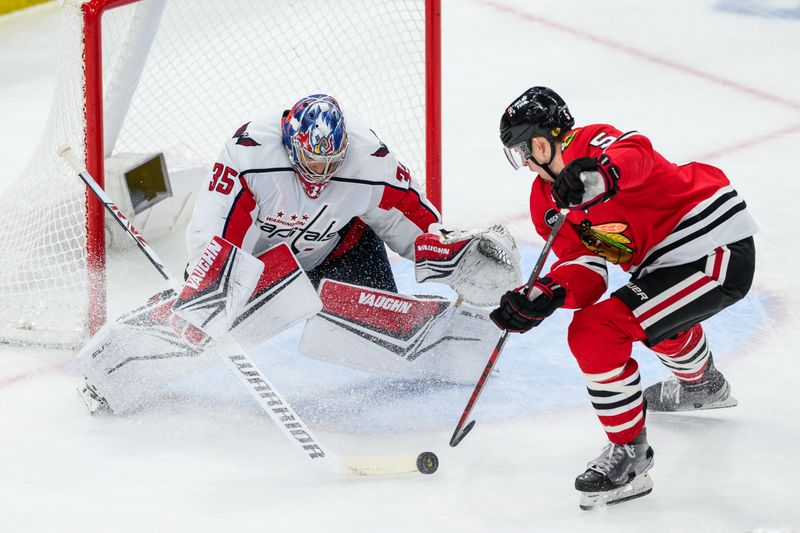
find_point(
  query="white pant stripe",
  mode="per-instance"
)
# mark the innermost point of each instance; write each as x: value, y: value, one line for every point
x: 657, y: 300
x: 692, y: 296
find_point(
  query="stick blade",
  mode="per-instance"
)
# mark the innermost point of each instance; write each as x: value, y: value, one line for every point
x: 65, y: 152
x: 384, y: 465
x: 460, y: 433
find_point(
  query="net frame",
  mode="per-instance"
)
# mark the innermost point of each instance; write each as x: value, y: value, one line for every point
x: 97, y: 137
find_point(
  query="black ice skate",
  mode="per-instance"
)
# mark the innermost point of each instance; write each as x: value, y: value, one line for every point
x: 713, y: 392
x: 618, y: 475
x: 96, y: 404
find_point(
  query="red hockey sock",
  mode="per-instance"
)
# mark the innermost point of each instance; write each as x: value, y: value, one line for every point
x: 601, y: 337
x: 686, y: 354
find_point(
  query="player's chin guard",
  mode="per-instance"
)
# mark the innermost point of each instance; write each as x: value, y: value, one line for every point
x: 315, y: 138
x: 538, y: 112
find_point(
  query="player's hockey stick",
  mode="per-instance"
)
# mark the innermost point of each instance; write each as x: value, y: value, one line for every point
x: 461, y: 429
x: 248, y: 373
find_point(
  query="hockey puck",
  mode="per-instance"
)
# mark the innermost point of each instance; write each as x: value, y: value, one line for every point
x: 427, y: 462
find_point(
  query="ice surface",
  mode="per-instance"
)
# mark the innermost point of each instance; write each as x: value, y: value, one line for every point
x: 710, y: 80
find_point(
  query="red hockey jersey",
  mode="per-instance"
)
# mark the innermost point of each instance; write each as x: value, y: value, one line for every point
x: 662, y: 214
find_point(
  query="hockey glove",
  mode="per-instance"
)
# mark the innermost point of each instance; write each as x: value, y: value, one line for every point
x: 519, y: 314
x: 585, y: 182
x: 480, y: 264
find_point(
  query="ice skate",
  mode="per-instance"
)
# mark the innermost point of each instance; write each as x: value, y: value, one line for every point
x: 96, y: 404
x: 713, y: 392
x: 619, y: 474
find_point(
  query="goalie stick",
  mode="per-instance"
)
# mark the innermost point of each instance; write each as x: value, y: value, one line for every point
x: 461, y: 429
x: 248, y: 373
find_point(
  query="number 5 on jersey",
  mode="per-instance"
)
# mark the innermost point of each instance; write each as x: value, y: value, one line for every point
x: 222, y: 179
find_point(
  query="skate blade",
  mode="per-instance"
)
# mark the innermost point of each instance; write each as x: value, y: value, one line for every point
x: 641, y: 485
x: 93, y: 406
x: 730, y: 401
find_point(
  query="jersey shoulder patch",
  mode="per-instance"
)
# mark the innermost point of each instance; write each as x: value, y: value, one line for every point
x: 369, y: 160
x: 569, y: 138
x: 243, y: 138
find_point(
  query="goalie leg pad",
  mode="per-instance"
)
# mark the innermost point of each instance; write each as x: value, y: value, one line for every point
x: 283, y: 296
x: 393, y: 334
x: 133, y: 358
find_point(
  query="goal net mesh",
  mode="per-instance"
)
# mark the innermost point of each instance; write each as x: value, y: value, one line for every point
x: 207, y: 68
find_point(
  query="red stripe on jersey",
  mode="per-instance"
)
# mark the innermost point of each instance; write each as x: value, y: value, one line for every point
x: 408, y: 203
x: 350, y: 239
x: 240, y: 217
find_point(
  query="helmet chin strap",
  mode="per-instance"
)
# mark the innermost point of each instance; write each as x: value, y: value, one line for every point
x: 546, y: 166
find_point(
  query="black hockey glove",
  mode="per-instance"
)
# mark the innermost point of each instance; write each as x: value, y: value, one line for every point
x: 585, y: 182
x: 519, y: 314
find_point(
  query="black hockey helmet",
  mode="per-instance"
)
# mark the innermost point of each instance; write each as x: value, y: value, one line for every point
x: 538, y: 112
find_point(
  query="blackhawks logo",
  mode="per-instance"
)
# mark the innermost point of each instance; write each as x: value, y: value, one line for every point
x: 608, y: 241
x: 568, y: 140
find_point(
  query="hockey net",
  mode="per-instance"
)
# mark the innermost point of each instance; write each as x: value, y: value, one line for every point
x: 179, y: 77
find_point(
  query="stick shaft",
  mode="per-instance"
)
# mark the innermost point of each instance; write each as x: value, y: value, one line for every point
x: 462, y: 429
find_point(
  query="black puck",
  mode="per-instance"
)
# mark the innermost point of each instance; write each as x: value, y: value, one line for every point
x: 427, y: 462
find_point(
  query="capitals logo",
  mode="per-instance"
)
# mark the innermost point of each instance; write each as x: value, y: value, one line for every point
x: 243, y: 137
x: 303, y: 233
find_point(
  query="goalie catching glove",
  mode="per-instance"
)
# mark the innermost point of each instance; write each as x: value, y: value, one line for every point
x: 518, y: 313
x: 478, y: 264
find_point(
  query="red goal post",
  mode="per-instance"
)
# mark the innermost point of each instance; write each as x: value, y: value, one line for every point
x: 177, y: 77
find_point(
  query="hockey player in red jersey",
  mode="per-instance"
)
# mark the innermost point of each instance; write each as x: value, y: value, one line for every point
x: 681, y: 231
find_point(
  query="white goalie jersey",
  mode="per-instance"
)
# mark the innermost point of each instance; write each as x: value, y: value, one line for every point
x: 254, y: 199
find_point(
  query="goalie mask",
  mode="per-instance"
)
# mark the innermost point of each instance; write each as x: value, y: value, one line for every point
x: 315, y: 138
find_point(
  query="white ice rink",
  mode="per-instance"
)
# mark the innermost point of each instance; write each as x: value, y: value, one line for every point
x: 709, y: 80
